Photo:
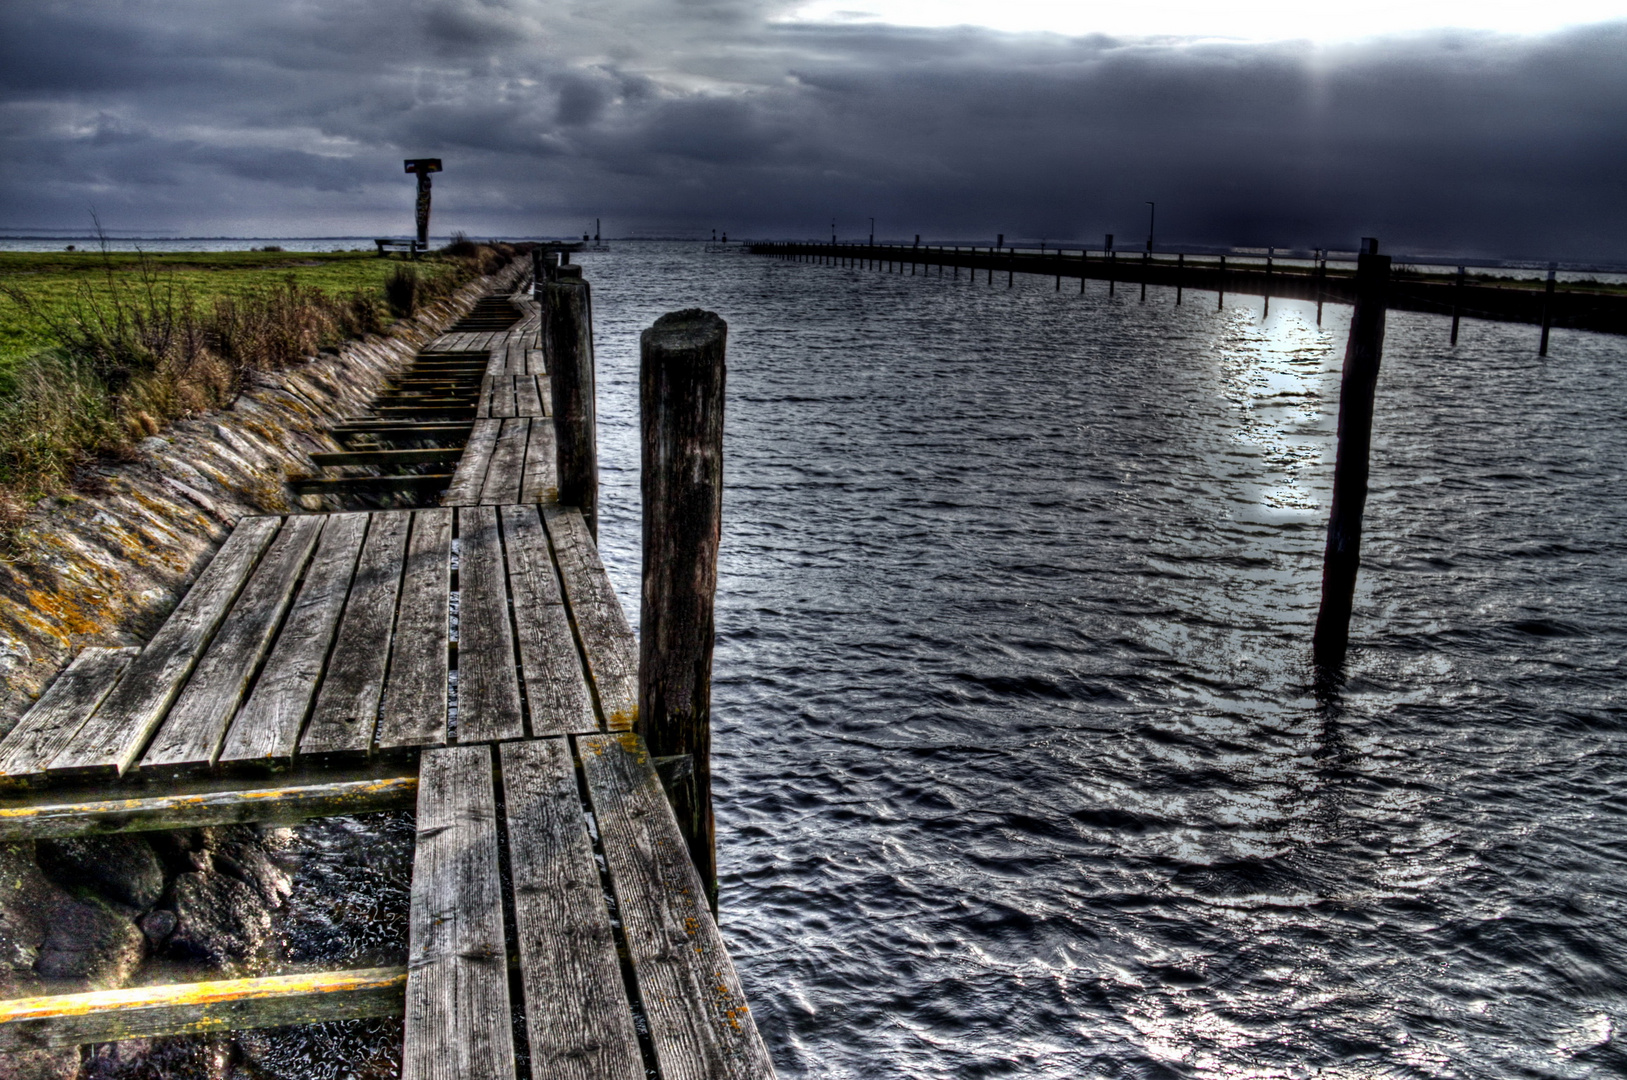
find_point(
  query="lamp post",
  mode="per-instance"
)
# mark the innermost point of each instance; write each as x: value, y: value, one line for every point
x: 1152, y: 218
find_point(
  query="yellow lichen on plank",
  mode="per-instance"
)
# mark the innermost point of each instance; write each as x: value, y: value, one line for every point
x: 190, y: 1008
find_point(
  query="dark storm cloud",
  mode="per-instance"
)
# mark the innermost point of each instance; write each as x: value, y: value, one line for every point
x: 659, y: 116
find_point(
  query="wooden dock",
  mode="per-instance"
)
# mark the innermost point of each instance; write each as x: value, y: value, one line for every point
x: 1577, y: 306
x: 469, y: 660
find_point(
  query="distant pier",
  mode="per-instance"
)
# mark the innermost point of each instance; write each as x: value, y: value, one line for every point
x: 1331, y: 280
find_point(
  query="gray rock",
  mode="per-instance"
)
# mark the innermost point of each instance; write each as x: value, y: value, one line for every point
x: 122, y: 868
x: 240, y: 851
x: 219, y: 919
x: 158, y: 925
x: 86, y: 939
x: 58, y: 1064
x: 26, y: 896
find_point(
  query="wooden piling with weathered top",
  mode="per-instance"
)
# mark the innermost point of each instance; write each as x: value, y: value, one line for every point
x: 567, y: 340
x: 681, y: 379
x: 1342, y: 555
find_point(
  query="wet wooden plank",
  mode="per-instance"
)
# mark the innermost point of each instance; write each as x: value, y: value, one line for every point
x: 62, y: 710
x: 483, y: 406
x: 507, y: 469
x: 347, y: 705
x: 534, y: 363
x: 471, y: 472
x: 115, y: 734
x: 192, y: 732
x: 555, y: 685
x: 414, y: 712
x: 502, y: 400
x: 267, y: 728
x: 282, y: 803
x: 576, y: 1009
x: 527, y: 402
x: 699, y: 1023
x: 458, y: 1025
x: 540, y: 482
x: 141, y: 1012
x: 488, y: 685
x: 601, y: 625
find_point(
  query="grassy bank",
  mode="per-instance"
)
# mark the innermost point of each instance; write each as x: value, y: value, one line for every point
x: 101, y: 349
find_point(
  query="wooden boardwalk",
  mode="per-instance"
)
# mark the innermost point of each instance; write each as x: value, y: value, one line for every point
x: 470, y: 660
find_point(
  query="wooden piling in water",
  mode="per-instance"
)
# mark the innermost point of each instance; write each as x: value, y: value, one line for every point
x: 681, y: 383
x: 1220, y: 301
x: 1342, y: 556
x: 567, y: 340
x: 1457, y: 304
x: 1547, y: 309
x: 1180, y: 277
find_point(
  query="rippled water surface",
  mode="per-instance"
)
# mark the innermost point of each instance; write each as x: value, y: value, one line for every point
x: 1019, y: 772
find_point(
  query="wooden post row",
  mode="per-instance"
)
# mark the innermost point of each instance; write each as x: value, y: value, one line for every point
x: 681, y: 380
x: 567, y: 341
x: 1342, y: 555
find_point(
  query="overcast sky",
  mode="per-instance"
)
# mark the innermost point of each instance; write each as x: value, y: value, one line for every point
x: 1438, y: 125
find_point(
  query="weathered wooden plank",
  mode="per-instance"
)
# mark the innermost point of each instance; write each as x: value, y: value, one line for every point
x: 502, y: 396
x: 414, y: 712
x: 281, y: 803
x: 471, y: 472
x: 488, y: 686
x: 555, y: 686
x: 192, y: 732
x: 502, y: 486
x: 700, y: 1024
x: 429, y: 455
x: 601, y: 625
x: 117, y: 731
x: 347, y: 705
x: 483, y: 402
x: 534, y: 363
x: 458, y: 1022
x: 426, y: 484
x: 62, y: 710
x: 545, y: 391
x: 576, y: 1008
x: 540, y: 483
x: 141, y: 1012
x: 527, y: 402
x: 267, y: 728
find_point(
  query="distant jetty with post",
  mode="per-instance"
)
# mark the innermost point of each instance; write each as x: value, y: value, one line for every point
x: 1491, y: 293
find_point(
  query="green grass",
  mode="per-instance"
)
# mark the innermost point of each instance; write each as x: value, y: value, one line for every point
x: 100, y: 349
x: 58, y: 283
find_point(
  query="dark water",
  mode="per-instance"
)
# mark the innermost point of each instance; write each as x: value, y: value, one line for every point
x: 1019, y: 771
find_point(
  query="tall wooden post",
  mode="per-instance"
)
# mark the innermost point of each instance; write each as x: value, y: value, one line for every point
x: 567, y: 342
x: 1180, y: 276
x: 1084, y: 258
x: 1342, y: 556
x: 1145, y: 256
x: 681, y: 403
x: 1457, y: 304
x: 423, y: 167
x: 1321, y: 282
x: 1547, y: 310
x: 1220, y: 302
